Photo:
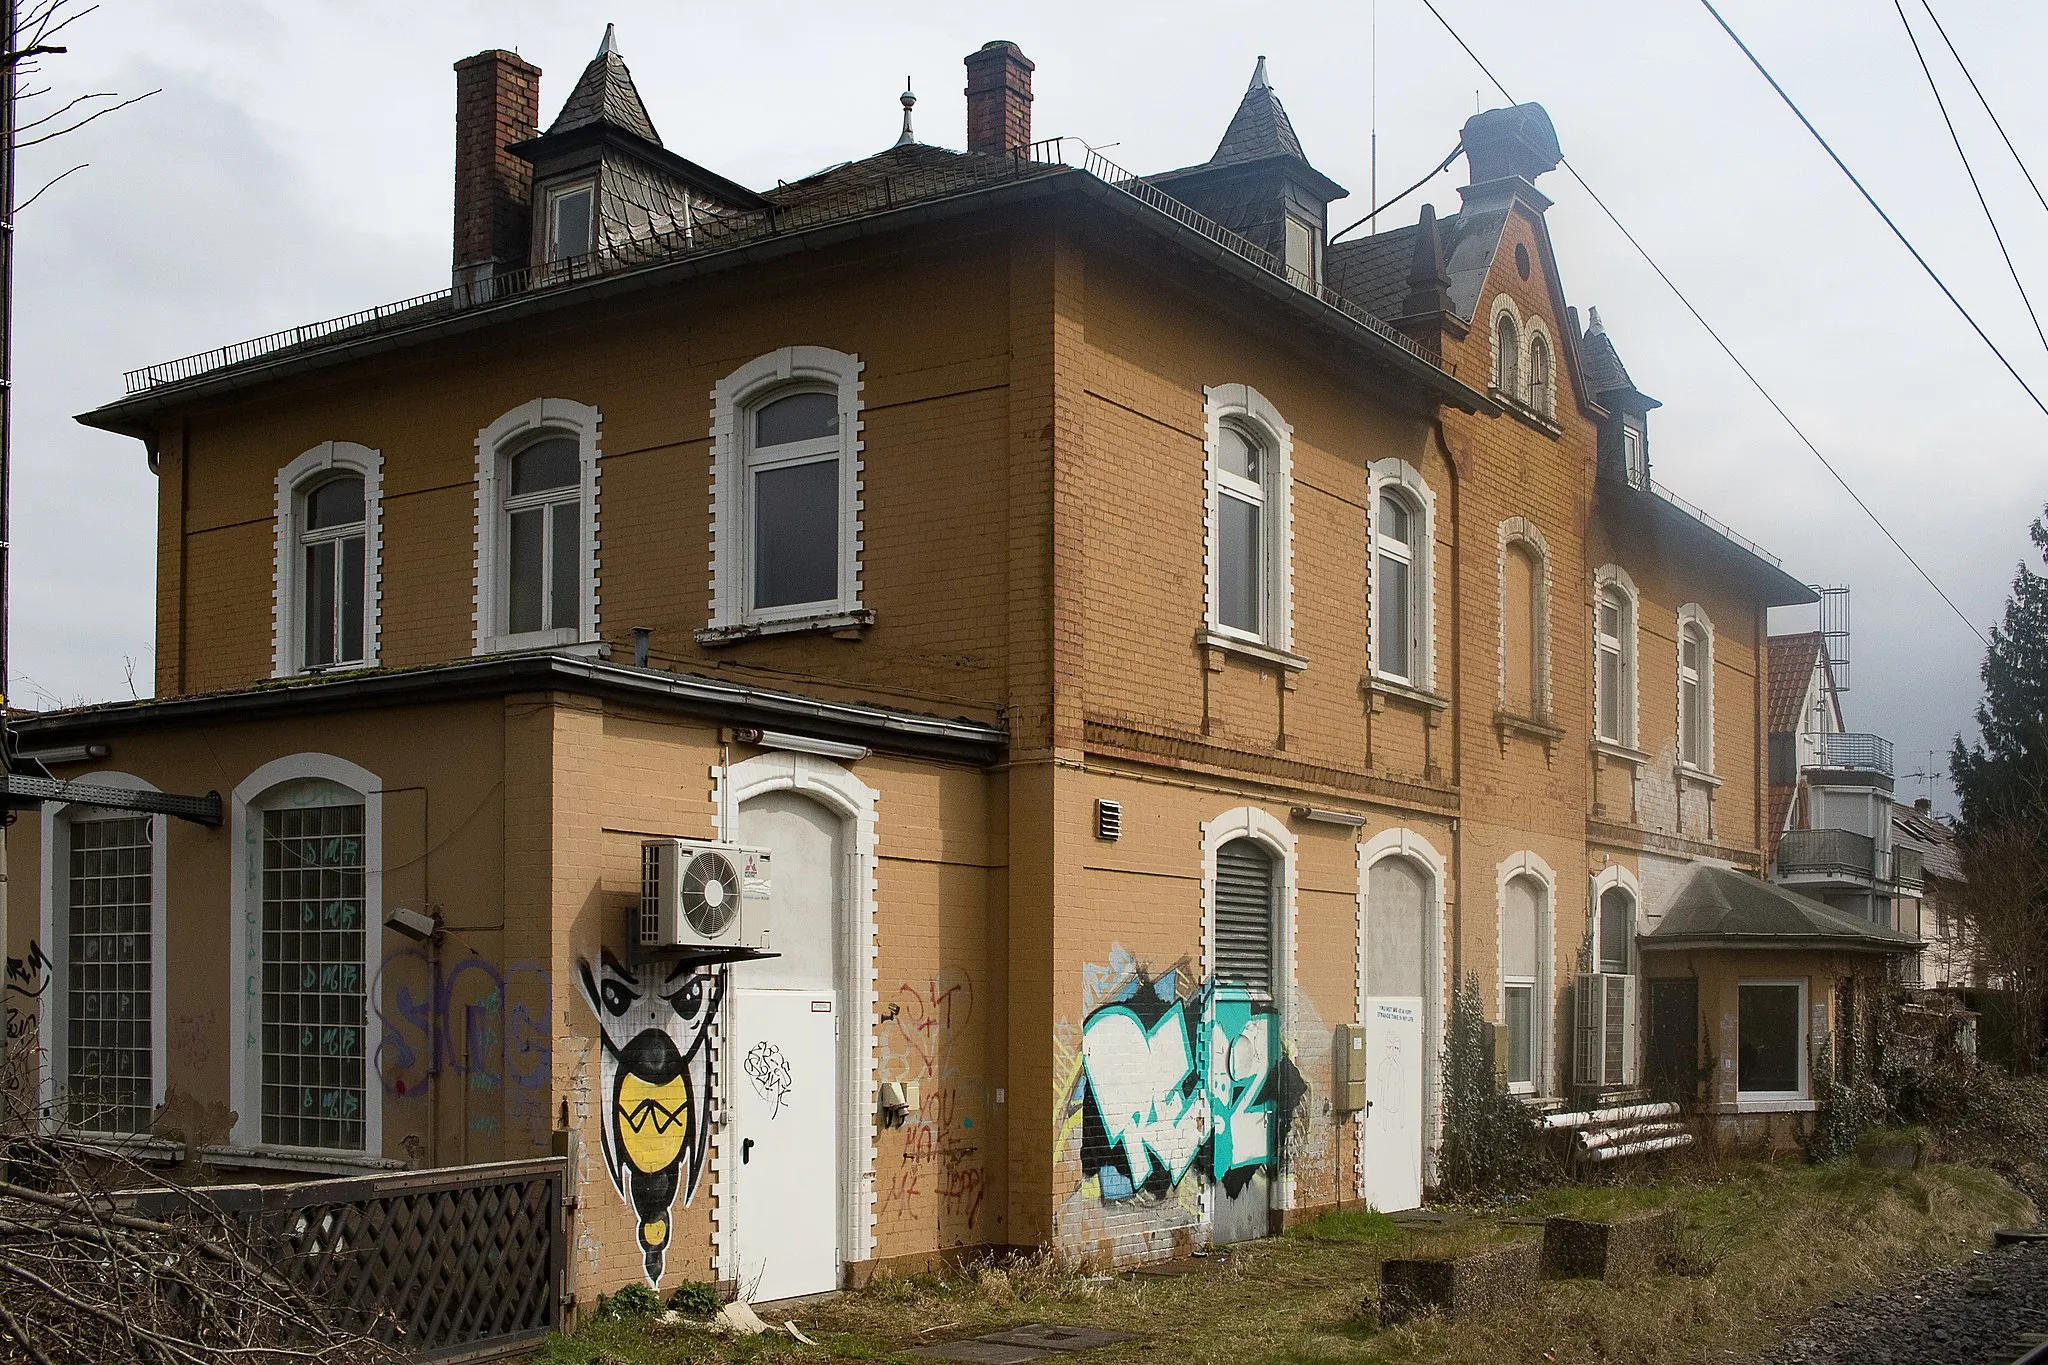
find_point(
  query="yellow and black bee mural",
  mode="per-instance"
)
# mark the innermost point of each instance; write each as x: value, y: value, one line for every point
x: 655, y: 1072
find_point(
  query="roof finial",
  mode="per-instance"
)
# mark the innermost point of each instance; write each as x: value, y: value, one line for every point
x: 907, y: 138
x: 610, y: 46
x: 1593, y: 327
x: 1259, y: 81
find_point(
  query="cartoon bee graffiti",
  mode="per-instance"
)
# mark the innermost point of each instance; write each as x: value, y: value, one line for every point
x: 655, y: 1068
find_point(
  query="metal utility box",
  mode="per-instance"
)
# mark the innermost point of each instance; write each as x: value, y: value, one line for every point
x: 1348, y: 1054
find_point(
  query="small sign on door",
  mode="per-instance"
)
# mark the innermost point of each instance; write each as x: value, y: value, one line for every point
x: 821, y: 1007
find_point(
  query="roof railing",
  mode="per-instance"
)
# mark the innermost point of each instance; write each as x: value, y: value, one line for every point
x: 1715, y: 524
x: 1856, y: 752
x: 703, y: 231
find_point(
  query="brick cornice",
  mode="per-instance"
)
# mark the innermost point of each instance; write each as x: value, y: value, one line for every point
x: 1141, y: 744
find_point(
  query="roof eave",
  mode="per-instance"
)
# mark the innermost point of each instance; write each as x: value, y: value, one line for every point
x: 1778, y: 942
x: 611, y: 135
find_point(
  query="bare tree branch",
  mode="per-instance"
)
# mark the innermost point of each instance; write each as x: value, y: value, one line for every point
x: 60, y: 111
x: 46, y: 187
x: 101, y: 113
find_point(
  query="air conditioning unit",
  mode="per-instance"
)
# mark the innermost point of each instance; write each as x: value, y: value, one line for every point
x: 700, y: 895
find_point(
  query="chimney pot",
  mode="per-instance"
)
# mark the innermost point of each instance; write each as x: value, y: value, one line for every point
x: 1515, y: 142
x: 1924, y: 805
x: 998, y: 99
x: 497, y: 103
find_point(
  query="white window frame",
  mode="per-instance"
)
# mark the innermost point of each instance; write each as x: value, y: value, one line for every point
x: 1250, y: 411
x: 734, y: 399
x: 1507, y: 377
x: 1613, y: 576
x: 1542, y: 401
x: 1765, y: 1101
x: 1607, y: 879
x: 1693, y: 617
x: 271, y: 784
x: 294, y: 481
x: 1543, y: 986
x: 1635, y: 468
x: 1383, y: 475
x: 550, y: 222
x: 53, y: 1022
x: 496, y: 444
x: 1521, y: 530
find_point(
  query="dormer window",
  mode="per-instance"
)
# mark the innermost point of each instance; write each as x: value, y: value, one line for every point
x: 1634, y: 462
x: 571, y: 222
x: 1301, y: 254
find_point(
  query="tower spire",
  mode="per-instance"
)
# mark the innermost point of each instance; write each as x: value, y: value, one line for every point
x: 909, y: 98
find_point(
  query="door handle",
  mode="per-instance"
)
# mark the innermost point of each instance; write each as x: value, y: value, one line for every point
x: 746, y: 1150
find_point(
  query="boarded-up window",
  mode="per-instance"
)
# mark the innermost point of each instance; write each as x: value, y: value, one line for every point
x: 1521, y: 618
x: 1244, y: 915
x: 1396, y: 907
x: 1520, y: 952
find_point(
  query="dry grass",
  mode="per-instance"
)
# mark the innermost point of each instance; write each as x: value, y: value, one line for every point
x: 1762, y: 1246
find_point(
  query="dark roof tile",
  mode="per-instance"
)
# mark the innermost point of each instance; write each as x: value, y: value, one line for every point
x: 1722, y: 906
x: 605, y: 93
x: 1788, y: 670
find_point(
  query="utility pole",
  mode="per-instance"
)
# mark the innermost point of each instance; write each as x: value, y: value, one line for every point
x: 10, y: 58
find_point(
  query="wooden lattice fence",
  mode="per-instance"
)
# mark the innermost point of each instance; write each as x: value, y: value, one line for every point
x: 457, y: 1263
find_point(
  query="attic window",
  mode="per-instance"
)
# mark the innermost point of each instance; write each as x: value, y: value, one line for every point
x: 570, y: 223
x: 1634, y: 467
x: 1301, y: 254
x: 1522, y: 260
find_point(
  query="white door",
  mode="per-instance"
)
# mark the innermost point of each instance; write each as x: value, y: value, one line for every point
x: 1393, y: 1100
x: 784, y: 1138
x: 782, y: 1062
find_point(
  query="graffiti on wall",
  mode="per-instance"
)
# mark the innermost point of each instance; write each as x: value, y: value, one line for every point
x: 472, y: 1024
x: 27, y: 978
x: 655, y: 1072
x: 941, y: 1166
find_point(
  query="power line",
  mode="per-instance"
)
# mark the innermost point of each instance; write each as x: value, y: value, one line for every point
x: 1871, y: 200
x: 1441, y: 167
x: 1719, y: 341
x: 2017, y: 161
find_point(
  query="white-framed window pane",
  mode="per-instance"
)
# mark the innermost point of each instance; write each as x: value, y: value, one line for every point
x: 109, y: 1054
x: 565, y: 553
x: 1396, y: 522
x: 1238, y: 567
x: 526, y: 578
x: 1519, y: 932
x: 1617, y: 927
x: 315, y: 997
x: 1237, y: 454
x: 556, y: 462
x: 320, y: 585
x: 799, y: 417
x: 796, y: 534
x: 1521, y: 1020
x: 337, y: 502
x: 1610, y: 694
x: 1768, y: 1039
x: 1695, y: 721
x: 1396, y: 627
x: 349, y: 645
x: 571, y: 229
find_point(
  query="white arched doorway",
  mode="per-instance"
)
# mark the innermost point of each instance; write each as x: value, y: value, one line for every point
x: 796, y: 1151
x: 1400, y: 951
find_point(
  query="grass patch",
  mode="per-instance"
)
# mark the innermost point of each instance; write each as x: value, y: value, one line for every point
x: 1760, y: 1247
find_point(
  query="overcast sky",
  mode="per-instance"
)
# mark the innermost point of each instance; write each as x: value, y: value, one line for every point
x: 297, y: 166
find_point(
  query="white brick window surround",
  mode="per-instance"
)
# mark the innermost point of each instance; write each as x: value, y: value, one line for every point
x: 1249, y: 540
x: 1401, y: 528
x: 786, y: 496
x: 537, y: 528
x: 327, y: 588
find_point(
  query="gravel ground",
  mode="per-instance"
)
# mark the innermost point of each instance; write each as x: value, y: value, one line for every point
x: 1967, y: 1316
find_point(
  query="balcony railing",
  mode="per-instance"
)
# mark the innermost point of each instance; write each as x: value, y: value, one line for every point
x: 1828, y: 853
x: 1909, y: 870
x: 709, y: 231
x: 1862, y: 753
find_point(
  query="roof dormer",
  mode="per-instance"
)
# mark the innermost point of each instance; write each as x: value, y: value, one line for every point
x: 1625, y: 433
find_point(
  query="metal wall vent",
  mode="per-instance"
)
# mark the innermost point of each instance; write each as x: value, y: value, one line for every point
x: 1109, y: 819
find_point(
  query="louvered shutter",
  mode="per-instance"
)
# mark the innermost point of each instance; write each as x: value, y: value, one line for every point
x: 1244, y: 916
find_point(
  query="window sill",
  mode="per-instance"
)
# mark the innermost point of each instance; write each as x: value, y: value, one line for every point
x: 137, y: 1147
x: 855, y: 621
x: 1787, y: 1106
x: 1620, y: 753
x: 1217, y: 642
x: 547, y: 642
x: 1699, y: 776
x: 1538, y: 728
x: 1377, y: 689
x: 298, y: 1160
x: 1523, y: 413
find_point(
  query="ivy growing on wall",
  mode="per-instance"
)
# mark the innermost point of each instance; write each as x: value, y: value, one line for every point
x: 1490, y: 1144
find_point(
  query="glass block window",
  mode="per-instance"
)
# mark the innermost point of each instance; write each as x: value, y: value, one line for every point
x: 109, y: 1070
x: 315, y: 996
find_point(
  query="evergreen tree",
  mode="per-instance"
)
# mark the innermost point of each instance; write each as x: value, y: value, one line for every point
x: 2003, y: 779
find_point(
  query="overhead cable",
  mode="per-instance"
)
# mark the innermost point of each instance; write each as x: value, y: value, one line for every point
x: 1871, y: 200
x: 2017, y: 161
x: 1441, y: 167
x: 1719, y: 341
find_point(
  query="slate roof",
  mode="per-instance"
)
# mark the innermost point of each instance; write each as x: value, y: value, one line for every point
x: 1260, y: 128
x: 1933, y: 838
x: 1599, y: 361
x: 605, y: 93
x: 1373, y: 271
x: 1720, y: 907
x: 1789, y: 669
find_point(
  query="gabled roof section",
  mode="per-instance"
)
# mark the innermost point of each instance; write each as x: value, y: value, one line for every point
x: 1718, y: 907
x: 1791, y: 665
x: 1260, y: 127
x: 605, y: 94
x: 1373, y: 271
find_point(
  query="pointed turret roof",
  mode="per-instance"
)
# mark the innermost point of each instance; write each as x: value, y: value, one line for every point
x: 1259, y: 128
x: 1601, y: 365
x: 605, y: 94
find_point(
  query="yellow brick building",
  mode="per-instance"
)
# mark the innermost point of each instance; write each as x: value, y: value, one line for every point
x: 1147, y: 635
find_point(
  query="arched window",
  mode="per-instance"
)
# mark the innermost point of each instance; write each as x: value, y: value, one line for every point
x: 1539, y: 373
x: 1507, y: 356
x: 1524, y: 909
x: 1248, y: 531
x: 1246, y: 886
x: 1523, y: 628
x: 328, y: 536
x: 1396, y: 929
x: 785, y: 497
x: 1614, y: 648
x: 1394, y: 604
x: 537, y: 527
x: 1616, y: 944
x: 1695, y: 689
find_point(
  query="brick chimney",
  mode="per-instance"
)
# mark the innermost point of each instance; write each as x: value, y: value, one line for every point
x: 998, y: 99
x: 497, y: 103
